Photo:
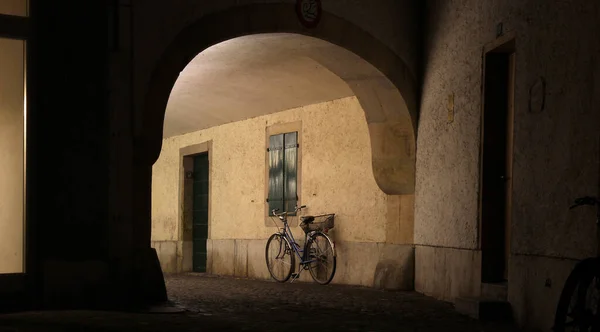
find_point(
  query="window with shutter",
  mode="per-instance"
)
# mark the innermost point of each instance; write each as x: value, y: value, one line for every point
x: 283, y: 164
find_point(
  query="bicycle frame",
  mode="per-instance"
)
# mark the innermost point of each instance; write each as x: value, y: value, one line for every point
x: 306, y: 253
x: 286, y: 232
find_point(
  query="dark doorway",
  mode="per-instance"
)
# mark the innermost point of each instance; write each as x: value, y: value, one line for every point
x: 497, y: 150
x: 200, y: 212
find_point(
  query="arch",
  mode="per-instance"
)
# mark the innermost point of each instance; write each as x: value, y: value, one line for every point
x: 389, y: 101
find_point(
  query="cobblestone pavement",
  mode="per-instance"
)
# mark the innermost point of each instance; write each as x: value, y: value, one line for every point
x: 228, y: 304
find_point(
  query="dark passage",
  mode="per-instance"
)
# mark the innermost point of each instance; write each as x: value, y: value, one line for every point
x: 497, y: 161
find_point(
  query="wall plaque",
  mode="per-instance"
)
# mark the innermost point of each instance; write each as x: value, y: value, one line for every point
x: 537, y: 96
x: 309, y: 12
x: 450, y: 107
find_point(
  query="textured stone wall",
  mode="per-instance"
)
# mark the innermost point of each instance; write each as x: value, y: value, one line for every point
x: 556, y: 151
x: 336, y: 175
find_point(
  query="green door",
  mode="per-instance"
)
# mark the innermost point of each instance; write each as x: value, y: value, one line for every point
x: 200, y: 211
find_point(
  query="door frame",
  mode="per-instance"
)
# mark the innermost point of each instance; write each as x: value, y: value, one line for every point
x: 503, y: 44
x: 185, y: 222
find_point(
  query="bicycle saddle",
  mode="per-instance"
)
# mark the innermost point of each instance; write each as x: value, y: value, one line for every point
x: 307, y: 219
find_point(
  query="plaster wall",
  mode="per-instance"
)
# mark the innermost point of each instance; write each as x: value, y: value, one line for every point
x: 556, y: 151
x: 11, y: 155
x: 335, y: 169
x: 336, y: 177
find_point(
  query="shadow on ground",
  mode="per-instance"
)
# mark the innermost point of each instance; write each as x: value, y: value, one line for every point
x: 230, y: 304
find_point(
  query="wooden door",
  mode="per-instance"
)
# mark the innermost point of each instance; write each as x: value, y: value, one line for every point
x: 200, y: 212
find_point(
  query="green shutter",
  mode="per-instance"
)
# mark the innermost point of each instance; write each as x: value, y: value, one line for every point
x: 283, y: 172
x: 290, y: 194
x: 275, y: 198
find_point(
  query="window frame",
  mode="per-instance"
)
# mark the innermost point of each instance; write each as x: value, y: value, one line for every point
x: 277, y: 129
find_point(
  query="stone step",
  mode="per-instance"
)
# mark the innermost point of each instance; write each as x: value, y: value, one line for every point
x: 494, y: 291
x: 484, y: 309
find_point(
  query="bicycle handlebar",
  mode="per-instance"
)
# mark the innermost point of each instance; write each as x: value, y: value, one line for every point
x: 296, y: 209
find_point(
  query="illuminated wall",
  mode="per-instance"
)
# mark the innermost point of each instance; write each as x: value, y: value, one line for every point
x: 372, y: 229
x: 11, y: 155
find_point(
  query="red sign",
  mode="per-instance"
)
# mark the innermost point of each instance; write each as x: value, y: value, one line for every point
x: 309, y: 12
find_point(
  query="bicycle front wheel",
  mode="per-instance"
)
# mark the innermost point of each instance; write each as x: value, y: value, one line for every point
x: 577, y: 308
x: 322, y: 258
x: 279, y: 257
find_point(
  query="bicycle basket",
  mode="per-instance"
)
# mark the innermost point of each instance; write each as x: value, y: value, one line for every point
x: 321, y: 223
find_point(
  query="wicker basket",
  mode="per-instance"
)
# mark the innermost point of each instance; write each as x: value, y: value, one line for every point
x: 321, y: 223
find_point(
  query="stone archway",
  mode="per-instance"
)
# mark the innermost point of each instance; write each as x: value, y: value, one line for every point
x: 391, y: 116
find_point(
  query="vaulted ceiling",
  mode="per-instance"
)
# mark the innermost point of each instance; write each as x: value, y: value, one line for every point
x: 254, y: 75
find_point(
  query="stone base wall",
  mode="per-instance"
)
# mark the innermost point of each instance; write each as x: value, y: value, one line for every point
x: 379, y: 265
x: 174, y: 256
x: 447, y: 273
x: 535, y: 282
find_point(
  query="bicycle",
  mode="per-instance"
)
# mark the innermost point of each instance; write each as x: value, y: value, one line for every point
x: 318, y: 254
x: 576, y: 291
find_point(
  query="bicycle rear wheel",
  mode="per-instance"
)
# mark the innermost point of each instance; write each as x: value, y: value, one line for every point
x: 321, y: 250
x: 577, y: 308
x: 279, y: 257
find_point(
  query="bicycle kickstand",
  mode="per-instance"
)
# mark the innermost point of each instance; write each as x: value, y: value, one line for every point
x: 295, y: 276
